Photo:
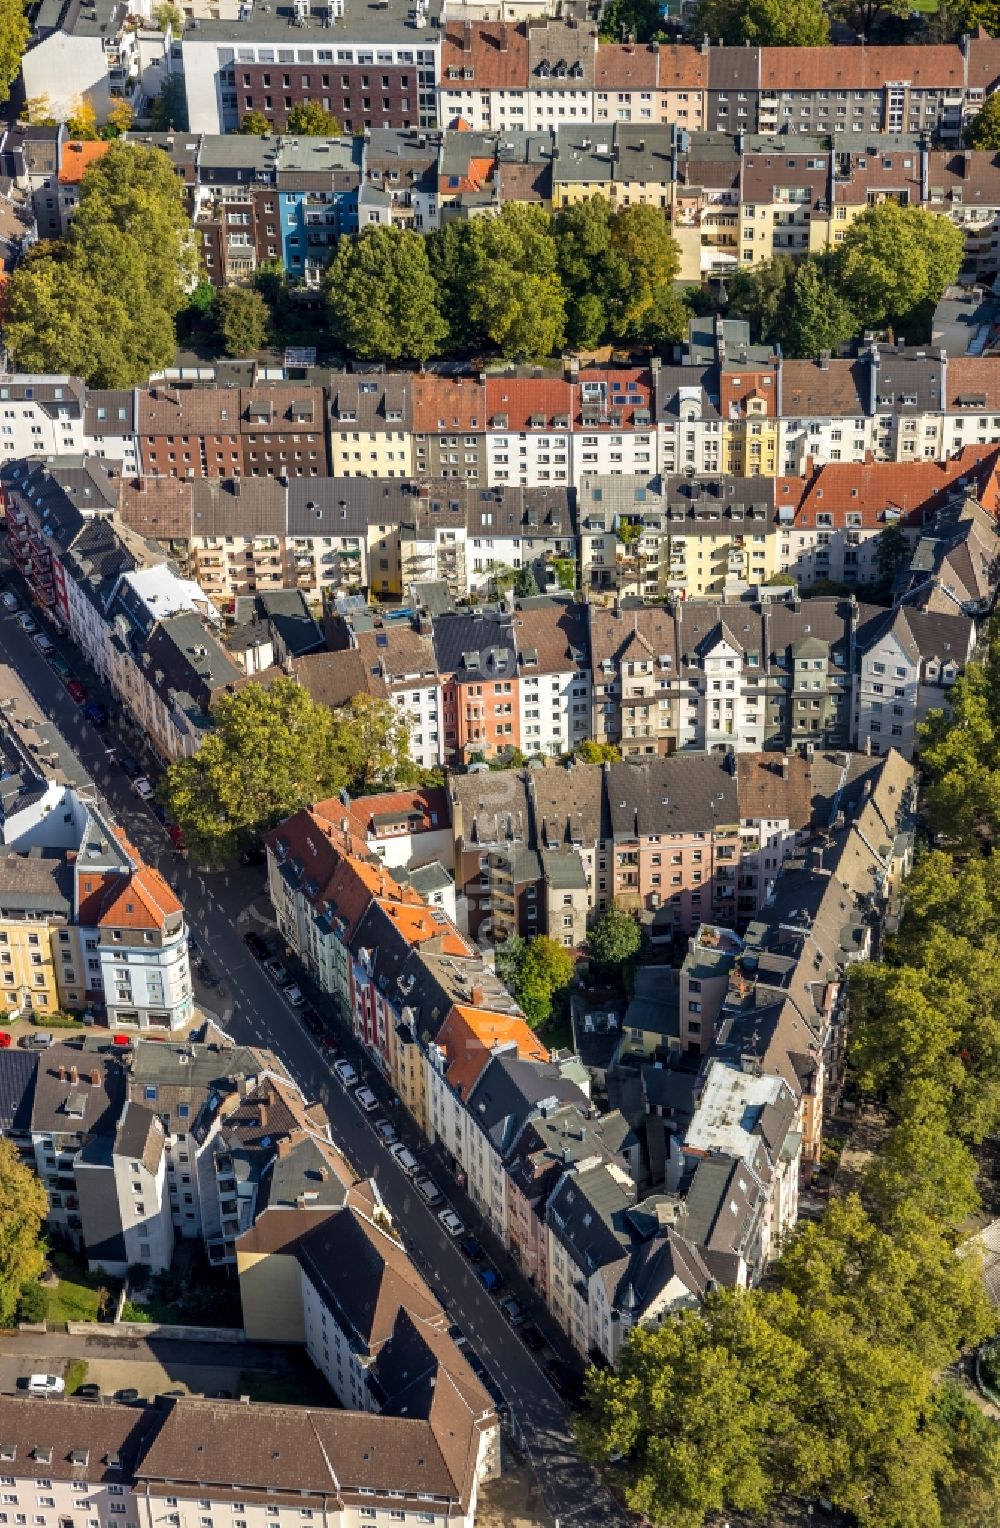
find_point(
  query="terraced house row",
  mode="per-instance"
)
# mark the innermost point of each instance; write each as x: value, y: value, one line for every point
x: 668, y: 1154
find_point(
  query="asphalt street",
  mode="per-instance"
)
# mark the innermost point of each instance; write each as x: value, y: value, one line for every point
x: 260, y: 1015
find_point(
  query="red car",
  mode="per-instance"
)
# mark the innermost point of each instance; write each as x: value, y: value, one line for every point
x: 77, y: 690
x: 175, y: 835
x: 6, y: 1039
x: 121, y: 1040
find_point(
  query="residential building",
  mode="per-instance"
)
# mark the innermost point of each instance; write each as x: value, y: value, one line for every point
x: 371, y: 429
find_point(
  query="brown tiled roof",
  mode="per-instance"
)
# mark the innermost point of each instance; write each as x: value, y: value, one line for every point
x: 861, y: 67
x: 140, y: 901
x: 159, y: 507
x: 70, y: 1428
x: 397, y: 657
x: 764, y: 790
x: 884, y: 170
x: 836, y: 388
x: 448, y: 403
x: 682, y: 67
x: 365, y: 1275
x: 428, y: 803
x: 497, y: 52
x: 984, y: 61
x: 332, y: 678
x: 870, y: 487
x: 556, y: 634
x: 612, y: 630
x: 166, y: 410
x: 633, y: 384
x: 973, y: 377
x: 626, y: 66
x: 245, y: 506
x: 764, y: 173
x: 280, y: 1230
x: 338, y: 865
x: 524, y: 182
x: 738, y: 387
x: 973, y: 172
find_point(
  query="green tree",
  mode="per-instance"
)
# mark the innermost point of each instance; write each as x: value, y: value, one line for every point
x: 169, y: 15
x: 119, y: 120
x: 641, y: 20
x: 544, y: 969
x: 14, y: 34
x: 590, y: 269
x: 82, y: 121
x: 983, y: 132
x: 499, y: 283
x: 507, y: 959
x: 134, y: 191
x: 865, y: 16
x: 170, y: 107
x: 647, y: 307
x: 203, y: 299
x: 971, y: 1486
x: 891, y: 551
x: 590, y: 752
x: 763, y: 297
x: 925, y: 1168
x: 762, y: 23
x: 382, y: 296
x: 615, y: 938
x: 525, y: 583
x: 33, y: 1303
x: 308, y: 119
x: 256, y: 125
x: 817, y: 317
x: 244, y: 319
x: 895, y: 262
x: 58, y: 319
x: 273, y: 751
x: 23, y: 1207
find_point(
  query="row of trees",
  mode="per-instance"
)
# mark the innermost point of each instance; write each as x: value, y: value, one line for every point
x: 889, y: 272
x: 274, y: 750
x: 521, y: 283
x: 828, y: 1382
x: 101, y: 303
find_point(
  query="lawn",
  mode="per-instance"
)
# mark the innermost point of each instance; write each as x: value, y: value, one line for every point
x: 75, y: 1376
x: 78, y: 1295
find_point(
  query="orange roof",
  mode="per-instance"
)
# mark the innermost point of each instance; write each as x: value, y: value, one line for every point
x: 628, y: 388
x: 422, y: 810
x: 737, y: 388
x: 448, y: 403
x: 682, y: 67
x: 861, y: 68
x: 495, y: 51
x: 469, y: 1036
x: 140, y: 900
x: 626, y: 66
x: 331, y: 864
x: 521, y: 399
x: 420, y: 922
x: 77, y: 159
x: 869, y: 488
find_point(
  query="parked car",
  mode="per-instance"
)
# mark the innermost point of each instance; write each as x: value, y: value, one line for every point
x: 490, y: 1279
x: 95, y: 713
x: 346, y: 1073
x: 256, y: 945
x: 512, y: 1310
x: 11, y: 601
x: 429, y: 1190
x: 311, y: 1019
x: 276, y: 970
x: 6, y: 1039
x: 457, y: 1336
x: 406, y: 1159
x: 37, y: 1039
x: 57, y: 625
x: 328, y: 1044
x: 451, y: 1222
x: 144, y: 788
x: 128, y: 1394
x: 77, y: 689
x: 46, y: 1384
x: 88, y: 1393
x: 472, y: 1250
x: 43, y: 643
x: 532, y: 1338
x: 386, y: 1131
x: 131, y: 766
x: 293, y: 992
x: 61, y: 667
x: 366, y: 1098
x: 27, y: 622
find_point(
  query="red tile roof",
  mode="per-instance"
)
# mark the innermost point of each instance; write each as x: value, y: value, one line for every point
x: 626, y: 66
x: 736, y: 388
x: 428, y: 804
x: 682, y: 67
x: 860, y: 68
x: 78, y: 158
x: 629, y: 388
x: 520, y: 399
x: 448, y: 403
x: 869, y: 488
x: 496, y: 52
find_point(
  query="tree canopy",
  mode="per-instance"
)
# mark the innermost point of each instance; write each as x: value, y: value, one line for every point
x: 101, y: 303
x: 499, y: 284
x: 14, y: 34
x: 618, y: 270
x: 638, y: 19
x: 535, y: 970
x: 382, y: 297
x: 615, y: 938
x: 763, y: 23
x: 794, y: 304
x: 983, y: 132
x: 244, y: 319
x: 273, y: 751
x: 308, y: 119
x: 23, y: 1207
x: 254, y: 124
x: 895, y: 261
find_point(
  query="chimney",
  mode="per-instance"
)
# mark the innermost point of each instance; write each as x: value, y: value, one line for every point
x: 503, y: 38
x: 477, y: 995
x: 784, y: 766
x: 74, y: 1075
x: 95, y: 1077
x: 467, y: 37
x: 263, y: 1115
x: 824, y: 360
x: 966, y: 166
x: 284, y: 1146
x: 62, y: 1074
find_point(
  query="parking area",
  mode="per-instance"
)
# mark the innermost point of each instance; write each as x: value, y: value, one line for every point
x: 158, y: 1366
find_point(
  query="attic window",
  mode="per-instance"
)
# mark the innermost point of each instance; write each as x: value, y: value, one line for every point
x: 8, y: 1450
x: 79, y: 1456
x: 43, y: 1453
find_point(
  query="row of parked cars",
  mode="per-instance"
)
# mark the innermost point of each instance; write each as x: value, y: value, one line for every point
x: 562, y: 1378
